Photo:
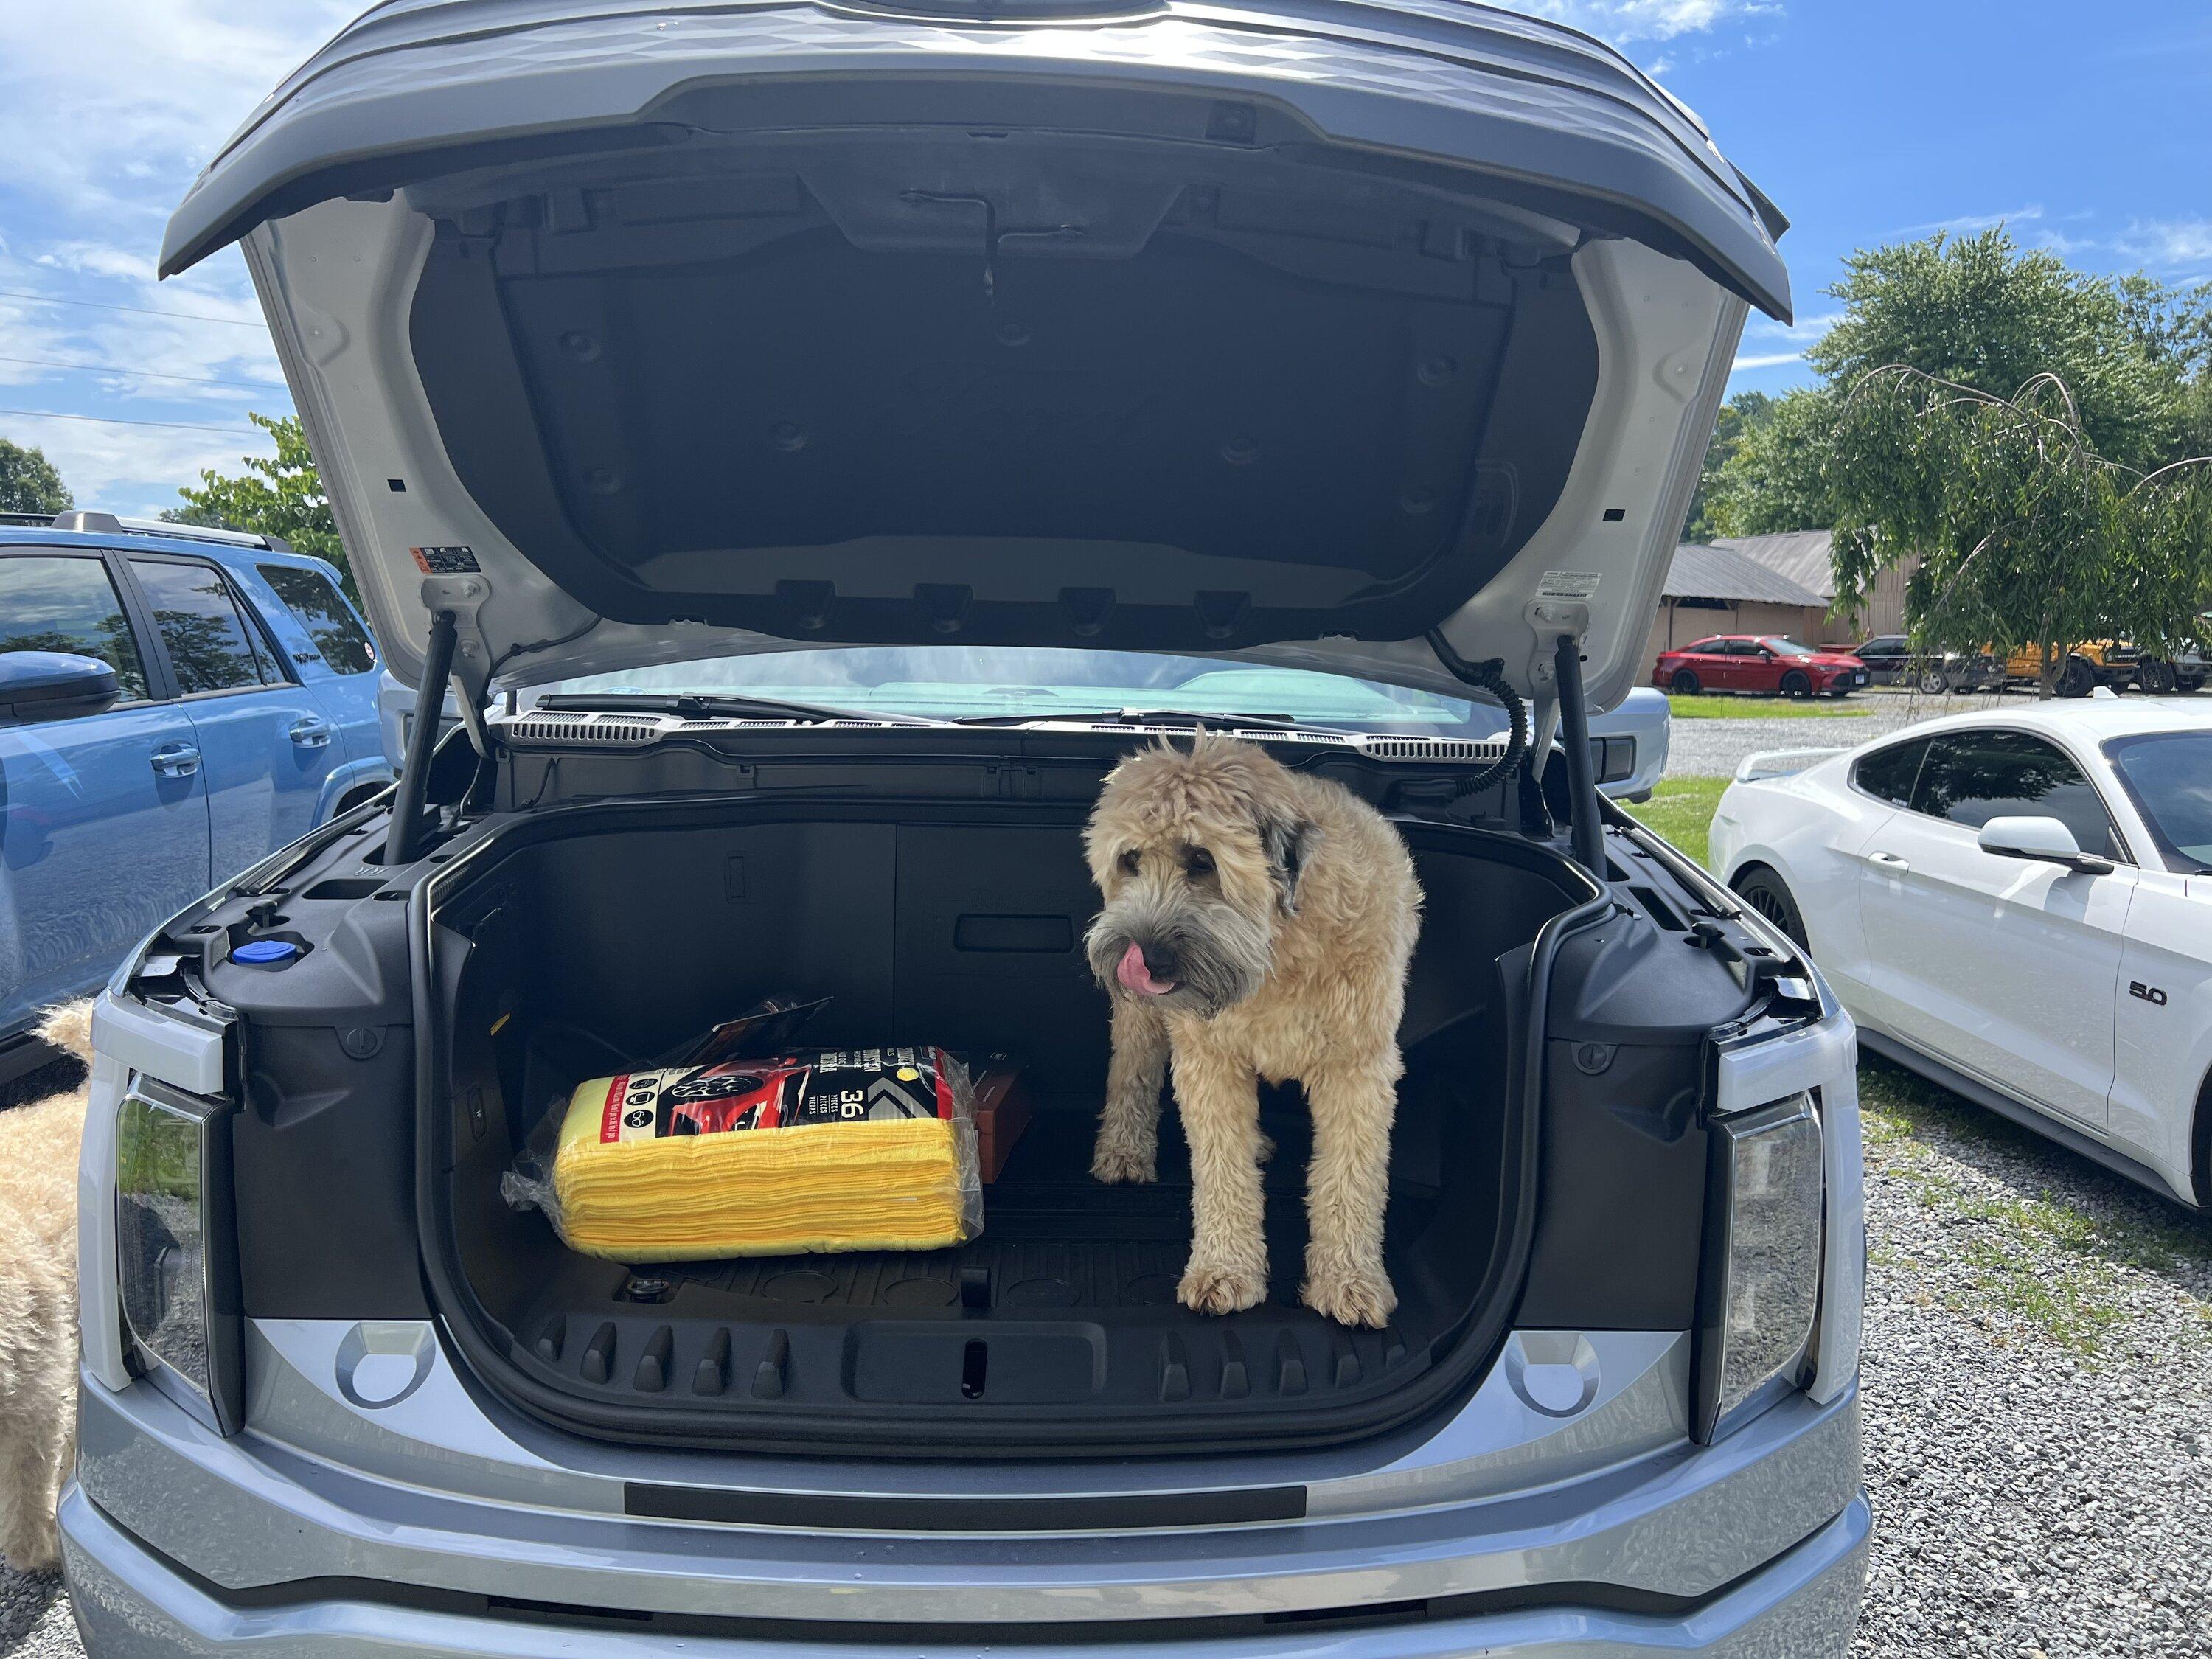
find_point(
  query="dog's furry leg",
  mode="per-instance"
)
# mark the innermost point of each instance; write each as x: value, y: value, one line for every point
x: 1347, y: 1185
x: 33, y: 1448
x: 1127, y: 1148
x: 1219, y: 1099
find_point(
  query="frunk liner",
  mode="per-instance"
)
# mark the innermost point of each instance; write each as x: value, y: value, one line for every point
x: 814, y: 1149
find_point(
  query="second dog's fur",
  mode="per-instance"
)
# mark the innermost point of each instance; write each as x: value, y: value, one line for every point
x: 38, y: 1303
x: 1257, y: 925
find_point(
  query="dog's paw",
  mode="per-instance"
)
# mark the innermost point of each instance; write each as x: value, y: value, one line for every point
x: 1209, y: 1287
x: 1355, y: 1296
x: 1115, y: 1166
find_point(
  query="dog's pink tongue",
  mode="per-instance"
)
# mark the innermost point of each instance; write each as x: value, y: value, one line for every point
x: 1133, y: 973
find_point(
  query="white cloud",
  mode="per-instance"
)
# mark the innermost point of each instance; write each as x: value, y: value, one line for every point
x: 1968, y: 224
x: 108, y: 107
x: 2165, y: 243
x: 1622, y: 21
x: 133, y: 469
x: 1765, y: 360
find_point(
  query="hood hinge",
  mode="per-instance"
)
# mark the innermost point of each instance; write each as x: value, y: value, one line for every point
x: 458, y: 596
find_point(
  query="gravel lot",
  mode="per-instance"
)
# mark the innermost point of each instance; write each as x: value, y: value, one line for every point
x: 2038, y: 1394
x: 1712, y: 748
x: 2037, y: 1384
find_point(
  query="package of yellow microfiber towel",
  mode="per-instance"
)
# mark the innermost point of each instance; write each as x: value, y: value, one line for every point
x: 827, y: 1149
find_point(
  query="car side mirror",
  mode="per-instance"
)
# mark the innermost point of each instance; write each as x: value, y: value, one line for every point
x: 37, y: 686
x: 2046, y: 839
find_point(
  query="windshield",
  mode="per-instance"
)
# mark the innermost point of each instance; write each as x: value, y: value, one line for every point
x: 961, y: 682
x: 2168, y: 775
x: 1788, y: 648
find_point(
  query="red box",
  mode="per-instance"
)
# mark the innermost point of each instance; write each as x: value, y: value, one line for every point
x: 1002, y: 1111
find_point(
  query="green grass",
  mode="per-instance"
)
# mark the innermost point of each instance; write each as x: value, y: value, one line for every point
x: 1681, y: 810
x: 1732, y: 706
x: 2012, y: 1238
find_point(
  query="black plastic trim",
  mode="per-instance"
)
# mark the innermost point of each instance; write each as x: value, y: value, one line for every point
x: 834, y: 1512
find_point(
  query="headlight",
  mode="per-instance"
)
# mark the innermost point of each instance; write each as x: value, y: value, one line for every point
x: 175, y: 1250
x: 1762, y: 1270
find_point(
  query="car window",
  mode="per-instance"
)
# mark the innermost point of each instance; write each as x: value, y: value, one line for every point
x: 1889, y: 773
x: 210, y: 647
x: 67, y: 603
x: 1703, y: 647
x: 1790, y: 648
x: 310, y: 596
x: 2169, y: 775
x: 1971, y: 777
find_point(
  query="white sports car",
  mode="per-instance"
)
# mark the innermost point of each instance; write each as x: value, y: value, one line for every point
x: 2016, y: 904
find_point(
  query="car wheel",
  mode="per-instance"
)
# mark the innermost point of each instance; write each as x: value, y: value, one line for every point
x: 2156, y: 677
x: 1686, y: 683
x: 1762, y: 891
x: 2076, y: 679
x: 1934, y: 680
x: 1797, y: 684
x: 2188, y: 684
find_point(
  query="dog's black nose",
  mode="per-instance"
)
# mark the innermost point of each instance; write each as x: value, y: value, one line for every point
x: 1159, y: 962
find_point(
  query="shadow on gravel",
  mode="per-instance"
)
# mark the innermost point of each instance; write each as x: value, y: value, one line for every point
x: 24, y: 1598
x: 2052, y: 1196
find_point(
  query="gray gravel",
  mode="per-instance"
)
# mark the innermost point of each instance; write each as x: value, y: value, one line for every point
x: 1713, y: 748
x: 2038, y: 1396
x: 35, y: 1617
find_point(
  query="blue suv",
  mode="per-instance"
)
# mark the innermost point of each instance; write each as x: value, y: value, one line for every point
x: 242, y: 714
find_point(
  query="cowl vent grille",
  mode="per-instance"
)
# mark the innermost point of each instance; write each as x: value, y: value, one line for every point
x: 624, y: 730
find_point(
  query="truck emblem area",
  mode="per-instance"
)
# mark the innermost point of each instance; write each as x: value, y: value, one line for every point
x: 2149, y: 993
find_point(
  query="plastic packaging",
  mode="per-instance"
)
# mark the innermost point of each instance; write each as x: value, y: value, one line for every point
x: 816, y: 1150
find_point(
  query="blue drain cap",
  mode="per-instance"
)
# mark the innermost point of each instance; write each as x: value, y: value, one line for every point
x: 266, y: 952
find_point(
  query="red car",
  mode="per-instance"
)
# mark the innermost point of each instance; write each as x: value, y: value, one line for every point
x: 1758, y: 662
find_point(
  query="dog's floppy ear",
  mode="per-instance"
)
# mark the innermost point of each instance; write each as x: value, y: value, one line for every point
x: 1289, y: 842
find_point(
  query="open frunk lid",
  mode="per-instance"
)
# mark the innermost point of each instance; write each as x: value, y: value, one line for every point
x: 650, y: 332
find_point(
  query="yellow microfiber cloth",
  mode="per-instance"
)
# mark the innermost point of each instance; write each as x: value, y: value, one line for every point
x: 870, y: 1149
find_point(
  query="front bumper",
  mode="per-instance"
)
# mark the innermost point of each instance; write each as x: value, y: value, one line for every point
x: 432, y: 1524
x: 131, y: 1602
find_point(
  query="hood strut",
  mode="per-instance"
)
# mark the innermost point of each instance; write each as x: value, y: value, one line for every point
x: 1584, y: 822
x: 407, y: 804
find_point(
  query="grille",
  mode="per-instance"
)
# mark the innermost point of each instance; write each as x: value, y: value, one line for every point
x: 587, y: 728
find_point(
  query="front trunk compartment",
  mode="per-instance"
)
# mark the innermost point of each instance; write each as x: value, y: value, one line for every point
x: 578, y: 941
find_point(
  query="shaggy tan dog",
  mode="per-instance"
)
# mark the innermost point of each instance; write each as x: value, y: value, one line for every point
x: 38, y: 1303
x: 1257, y: 924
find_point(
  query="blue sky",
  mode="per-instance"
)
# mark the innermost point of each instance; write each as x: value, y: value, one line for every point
x: 2084, y: 129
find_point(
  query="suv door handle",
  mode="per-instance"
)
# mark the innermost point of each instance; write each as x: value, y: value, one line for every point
x: 311, y: 734
x: 176, y: 760
x: 1890, y: 861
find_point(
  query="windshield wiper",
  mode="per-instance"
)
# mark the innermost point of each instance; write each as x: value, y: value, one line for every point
x: 1140, y: 717
x: 715, y: 706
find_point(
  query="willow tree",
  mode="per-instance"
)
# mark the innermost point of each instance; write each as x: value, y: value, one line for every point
x: 2027, y: 535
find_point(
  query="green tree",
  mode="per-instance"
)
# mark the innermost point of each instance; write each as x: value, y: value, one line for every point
x: 1738, y: 414
x: 2027, y: 535
x: 279, y: 496
x: 28, y: 482
x: 1776, y: 478
x: 1979, y: 312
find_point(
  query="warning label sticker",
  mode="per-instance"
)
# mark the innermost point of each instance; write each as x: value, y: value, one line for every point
x: 446, y: 560
x: 1568, y: 584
